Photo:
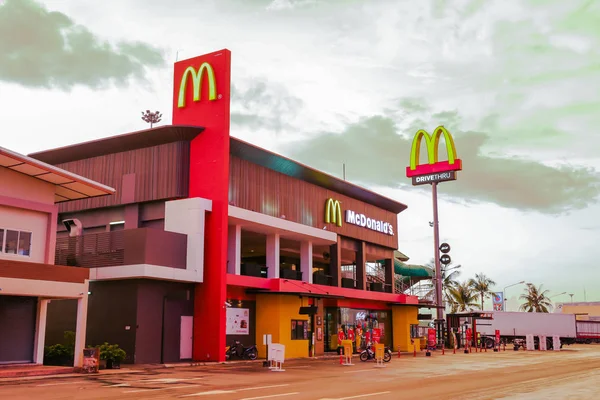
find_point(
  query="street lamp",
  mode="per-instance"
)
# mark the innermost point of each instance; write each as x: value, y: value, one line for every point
x: 556, y: 295
x: 504, y: 293
x: 151, y: 117
x: 571, y: 294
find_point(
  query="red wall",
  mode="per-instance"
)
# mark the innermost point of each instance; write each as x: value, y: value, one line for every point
x: 209, y: 151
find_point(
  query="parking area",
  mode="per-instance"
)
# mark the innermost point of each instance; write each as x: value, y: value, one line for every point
x: 573, y: 373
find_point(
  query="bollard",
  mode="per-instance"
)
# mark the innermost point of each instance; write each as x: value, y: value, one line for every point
x: 443, y: 350
x: 341, y: 359
x: 485, y: 347
x: 398, y: 351
x: 415, y: 351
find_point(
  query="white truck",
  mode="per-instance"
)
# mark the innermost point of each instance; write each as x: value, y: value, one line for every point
x: 515, y: 326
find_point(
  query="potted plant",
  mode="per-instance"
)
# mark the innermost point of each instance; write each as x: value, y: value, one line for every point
x: 112, y: 355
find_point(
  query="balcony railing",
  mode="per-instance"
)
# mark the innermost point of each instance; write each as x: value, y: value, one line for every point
x: 124, y: 247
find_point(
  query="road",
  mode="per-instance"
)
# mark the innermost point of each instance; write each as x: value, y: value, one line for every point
x: 573, y: 373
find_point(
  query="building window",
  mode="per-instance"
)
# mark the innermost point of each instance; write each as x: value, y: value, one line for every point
x: 299, y: 329
x: 15, y: 242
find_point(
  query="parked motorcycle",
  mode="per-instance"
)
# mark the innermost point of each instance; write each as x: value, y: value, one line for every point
x: 237, y: 349
x: 369, y: 354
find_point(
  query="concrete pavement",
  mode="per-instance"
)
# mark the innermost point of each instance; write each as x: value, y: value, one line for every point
x: 516, y: 375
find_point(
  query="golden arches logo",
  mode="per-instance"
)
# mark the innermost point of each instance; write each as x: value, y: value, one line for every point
x: 333, y: 212
x: 197, y: 83
x: 433, y: 143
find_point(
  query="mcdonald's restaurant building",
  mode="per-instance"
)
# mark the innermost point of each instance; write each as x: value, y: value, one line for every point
x: 210, y: 239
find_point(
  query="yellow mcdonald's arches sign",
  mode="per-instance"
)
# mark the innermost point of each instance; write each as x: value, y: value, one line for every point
x: 333, y: 212
x: 433, y: 143
x: 197, y: 83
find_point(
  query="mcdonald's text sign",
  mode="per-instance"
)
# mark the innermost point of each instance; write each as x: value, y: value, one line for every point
x: 433, y: 166
x: 333, y: 215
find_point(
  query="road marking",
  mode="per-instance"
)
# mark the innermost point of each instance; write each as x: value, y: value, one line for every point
x: 270, y: 396
x: 209, y: 393
x: 120, y: 385
x: 359, y: 370
x: 61, y: 383
x: 261, y: 387
x: 357, y: 397
x: 167, y: 388
x: 234, y: 391
x: 170, y: 380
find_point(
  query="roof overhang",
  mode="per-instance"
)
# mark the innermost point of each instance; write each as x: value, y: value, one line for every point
x: 119, y: 143
x: 69, y: 186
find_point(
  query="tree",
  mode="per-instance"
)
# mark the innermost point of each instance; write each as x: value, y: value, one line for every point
x: 535, y: 299
x: 463, y: 296
x: 151, y: 117
x: 449, y: 275
x: 482, y: 285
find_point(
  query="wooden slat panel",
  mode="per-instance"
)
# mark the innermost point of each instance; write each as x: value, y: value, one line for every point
x: 263, y: 190
x: 161, y: 172
x: 95, y: 250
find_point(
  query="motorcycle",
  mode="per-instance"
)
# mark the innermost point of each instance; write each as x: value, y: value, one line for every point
x: 368, y: 354
x: 237, y: 349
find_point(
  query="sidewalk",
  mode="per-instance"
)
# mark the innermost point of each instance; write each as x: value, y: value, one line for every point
x: 36, y: 372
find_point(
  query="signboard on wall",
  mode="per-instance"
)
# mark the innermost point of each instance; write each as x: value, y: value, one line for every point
x: 333, y: 215
x: 238, y: 321
x: 498, y: 300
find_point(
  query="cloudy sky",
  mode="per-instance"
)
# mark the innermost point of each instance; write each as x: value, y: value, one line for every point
x: 517, y: 82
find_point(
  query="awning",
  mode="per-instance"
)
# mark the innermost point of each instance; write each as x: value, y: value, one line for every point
x: 410, y: 270
x: 69, y: 186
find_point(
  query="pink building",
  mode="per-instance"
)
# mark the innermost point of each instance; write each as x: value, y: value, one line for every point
x: 29, y: 280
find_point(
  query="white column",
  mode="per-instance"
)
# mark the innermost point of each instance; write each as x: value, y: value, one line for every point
x: 273, y: 263
x: 40, y: 331
x: 234, y: 249
x: 306, y: 261
x: 80, y: 332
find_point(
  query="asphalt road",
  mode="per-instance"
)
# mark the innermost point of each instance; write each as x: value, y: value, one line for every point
x: 573, y: 373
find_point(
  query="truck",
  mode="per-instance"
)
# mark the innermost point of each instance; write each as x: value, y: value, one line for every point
x: 515, y: 326
x: 588, y: 331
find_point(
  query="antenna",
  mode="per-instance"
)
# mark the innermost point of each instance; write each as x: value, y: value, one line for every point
x: 344, y: 169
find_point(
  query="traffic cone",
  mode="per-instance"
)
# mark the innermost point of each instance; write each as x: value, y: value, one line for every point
x: 443, y: 350
x: 398, y: 351
x: 415, y: 351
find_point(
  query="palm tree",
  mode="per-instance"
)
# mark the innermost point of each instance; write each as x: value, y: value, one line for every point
x: 536, y: 299
x: 463, y: 297
x: 449, y: 275
x: 482, y: 285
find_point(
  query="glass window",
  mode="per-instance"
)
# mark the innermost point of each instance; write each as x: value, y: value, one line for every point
x: 1, y: 240
x: 11, y: 243
x: 24, y: 243
x: 299, y: 329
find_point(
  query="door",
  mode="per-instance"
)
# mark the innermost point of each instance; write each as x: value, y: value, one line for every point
x: 17, y: 329
x: 185, y: 341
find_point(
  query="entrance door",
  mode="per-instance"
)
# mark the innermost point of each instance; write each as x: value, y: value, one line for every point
x: 17, y: 329
x: 185, y: 343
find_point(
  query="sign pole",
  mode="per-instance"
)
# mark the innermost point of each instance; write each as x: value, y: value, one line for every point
x: 436, y: 246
